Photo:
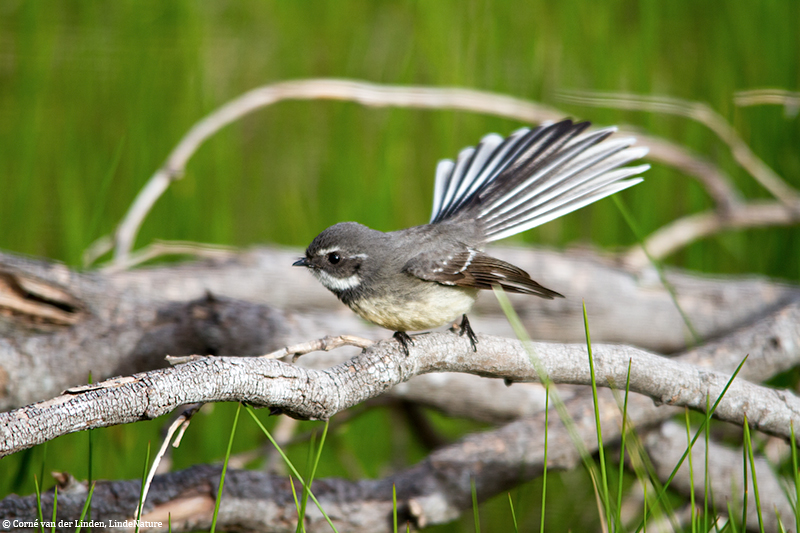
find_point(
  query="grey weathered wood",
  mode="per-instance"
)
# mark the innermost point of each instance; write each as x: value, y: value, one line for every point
x: 319, y: 394
x: 70, y: 323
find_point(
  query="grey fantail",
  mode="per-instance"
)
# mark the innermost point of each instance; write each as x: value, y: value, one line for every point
x: 426, y: 276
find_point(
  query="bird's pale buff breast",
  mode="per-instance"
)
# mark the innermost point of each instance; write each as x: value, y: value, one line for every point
x: 429, y: 308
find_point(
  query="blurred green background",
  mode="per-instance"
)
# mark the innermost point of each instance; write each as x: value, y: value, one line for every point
x: 94, y: 95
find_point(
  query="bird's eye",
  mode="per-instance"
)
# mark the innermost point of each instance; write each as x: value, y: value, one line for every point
x: 333, y: 258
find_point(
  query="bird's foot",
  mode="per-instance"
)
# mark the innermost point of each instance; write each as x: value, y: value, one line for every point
x: 404, y: 339
x: 467, y: 329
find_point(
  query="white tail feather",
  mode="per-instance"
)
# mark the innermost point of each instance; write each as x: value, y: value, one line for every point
x: 533, y: 176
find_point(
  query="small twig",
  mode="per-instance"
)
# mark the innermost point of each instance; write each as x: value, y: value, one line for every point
x: 180, y: 359
x: 790, y: 100
x: 182, y: 422
x: 324, y: 344
x: 679, y: 233
x: 97, y: 249
x: 161, y: 248
x: 704, y: 114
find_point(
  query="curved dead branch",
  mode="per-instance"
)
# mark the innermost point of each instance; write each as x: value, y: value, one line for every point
x: 686, y: 230
x: 377, y: 95
x: 369, y: 94
x: 705, y: 115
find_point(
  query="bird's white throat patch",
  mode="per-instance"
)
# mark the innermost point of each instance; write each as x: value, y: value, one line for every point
x: 337, y: 284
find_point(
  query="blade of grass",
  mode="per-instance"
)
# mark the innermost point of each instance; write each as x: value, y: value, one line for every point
x: 26, y: 460
x: 731, y: 519
x: 310, y: 480
x: 141, y: 489
x: 102, y: 195
x: 39, y: 502
x: 296, y: 504
x: 225, y: 468
x: 623, y: 437
x: 642, y: 466
x: 394, y: 508
x: 475, y: 505
x: 780, y: 522
x: 691, y: 469
x: 304, y: 499
x: 626, y: 214
x: 746, y: 484
x: 706, y: 480
x: 544, y: 469
x: 600, y: 447
x: 86, y: 507
x: 514, y: 515
x: 55, y: 506
x: 796, y: 477
x: 563, y: 414
x: 697, y: 435
x: 648, y: 477
x: 749, y: 448
x: 644, y: 512
x: 289, y: 463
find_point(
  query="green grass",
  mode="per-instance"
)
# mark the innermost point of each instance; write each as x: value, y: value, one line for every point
x: 307, y: 482
x: 225, y: 468
x: 93, y: 96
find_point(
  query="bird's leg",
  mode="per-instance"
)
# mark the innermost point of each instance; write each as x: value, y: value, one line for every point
x: 466, y: 328
x: 404, y: 339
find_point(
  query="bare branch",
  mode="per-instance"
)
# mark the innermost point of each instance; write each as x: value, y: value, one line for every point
x: 684, y: 231
x: 665, y: 447
x: 126, y: 322
x: 163, y: 248
x: 790, y: 100
x: 368, y: 94
x: 705, y: 115
x: 314, y: 394
x: 436, y: 490
x: 376, y: 95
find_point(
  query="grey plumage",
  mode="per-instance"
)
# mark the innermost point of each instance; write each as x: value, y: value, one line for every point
x: 425, y: 276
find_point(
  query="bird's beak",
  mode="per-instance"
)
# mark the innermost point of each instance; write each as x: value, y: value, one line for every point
x: 302, y: 262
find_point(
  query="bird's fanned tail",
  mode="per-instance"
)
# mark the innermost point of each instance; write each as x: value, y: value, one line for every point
x: 533, y: 176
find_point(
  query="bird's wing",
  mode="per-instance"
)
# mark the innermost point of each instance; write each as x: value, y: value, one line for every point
x: 468, y: 267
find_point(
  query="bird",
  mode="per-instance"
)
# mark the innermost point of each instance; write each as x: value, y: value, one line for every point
x: 426, y: 276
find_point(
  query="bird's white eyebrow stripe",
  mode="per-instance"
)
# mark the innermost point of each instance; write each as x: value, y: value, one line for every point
x: 327, y: 251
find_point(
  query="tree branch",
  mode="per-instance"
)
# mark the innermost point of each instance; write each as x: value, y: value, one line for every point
x: 665, y: 447
x: 123, y: 323
x: 679, y: 233
x: 704, y: 114
x: 377, y: 95
x: 314, y: 394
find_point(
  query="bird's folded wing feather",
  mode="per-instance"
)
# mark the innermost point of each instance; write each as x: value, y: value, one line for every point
x: 468, y: 267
